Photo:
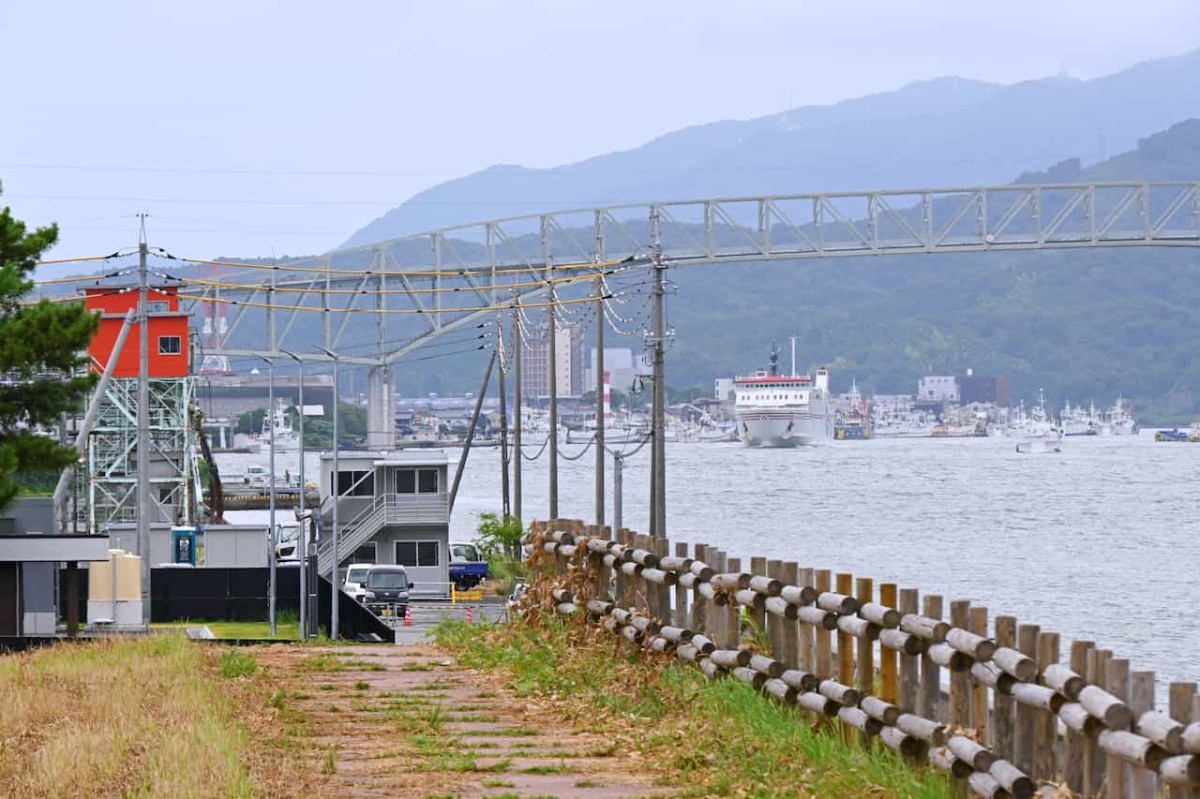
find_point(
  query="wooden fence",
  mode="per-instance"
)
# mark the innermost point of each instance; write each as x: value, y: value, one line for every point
x: 1003, y: 706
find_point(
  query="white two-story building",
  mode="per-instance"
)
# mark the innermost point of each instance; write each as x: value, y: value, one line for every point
x: 393, y: 507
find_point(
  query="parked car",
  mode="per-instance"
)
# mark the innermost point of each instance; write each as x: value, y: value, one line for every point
x: 356, y: 575
x: 386, y: 586
x: 287, y: 543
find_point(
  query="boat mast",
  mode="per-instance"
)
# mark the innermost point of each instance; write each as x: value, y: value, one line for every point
x: 793, y: 338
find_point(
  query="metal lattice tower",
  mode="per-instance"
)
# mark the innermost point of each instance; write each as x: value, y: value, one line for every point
x: 112, y: 455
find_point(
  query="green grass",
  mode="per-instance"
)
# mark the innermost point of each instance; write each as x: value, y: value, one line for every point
x: 240, y: 630
x: 716, y: 738
x: 237, y: 663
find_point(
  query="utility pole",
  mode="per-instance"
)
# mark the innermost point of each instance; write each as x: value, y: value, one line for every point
x: 618, y: 488
x: 271, y: 590
x: 301, y: 517
x: 518, y: 345
x: 336, y: 588
x: 658, y: 460
x: 600, y: 387
x: 506, y: 505
x: 552, y: 384
x: 145, y: 502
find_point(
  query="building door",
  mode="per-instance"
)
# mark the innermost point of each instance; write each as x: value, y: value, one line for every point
x: 10, y: 599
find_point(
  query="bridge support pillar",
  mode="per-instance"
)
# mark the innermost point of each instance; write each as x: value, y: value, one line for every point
x: 381, y: 414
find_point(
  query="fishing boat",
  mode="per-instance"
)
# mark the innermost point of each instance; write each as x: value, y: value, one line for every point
x: 853, y: 419
x: 1079, y: 421
x: 1119, y: 420
x: 774, y: 410
x: 1039, y: 433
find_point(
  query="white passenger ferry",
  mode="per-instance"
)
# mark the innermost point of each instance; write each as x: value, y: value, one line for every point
x: 775, y: 410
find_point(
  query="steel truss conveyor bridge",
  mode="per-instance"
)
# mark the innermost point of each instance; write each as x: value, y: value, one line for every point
x: 416, y: 288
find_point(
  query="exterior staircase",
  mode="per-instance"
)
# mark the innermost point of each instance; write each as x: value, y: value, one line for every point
x: 384, y: 510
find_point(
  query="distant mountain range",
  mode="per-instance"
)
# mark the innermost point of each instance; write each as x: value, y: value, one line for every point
x: 943, y: 132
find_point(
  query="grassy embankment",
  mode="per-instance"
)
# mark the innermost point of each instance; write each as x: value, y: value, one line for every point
x: 706, y: 738
x: 154, y: 716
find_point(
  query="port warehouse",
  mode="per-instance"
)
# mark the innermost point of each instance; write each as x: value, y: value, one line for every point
x: 1002, y: 706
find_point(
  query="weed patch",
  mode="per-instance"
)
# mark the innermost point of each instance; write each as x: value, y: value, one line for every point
x: 716, y: 738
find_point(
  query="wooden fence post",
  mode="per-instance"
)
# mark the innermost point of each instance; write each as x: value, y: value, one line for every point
x: 931, y: 672
x: 824, y: 648
x: 979, y: 691
x: 1045, y: 732
x: 845, y: 646
x: 720, y: 615
x: 700, y: 621
x: 1002, y: 704
x: 805, y: 642
x: 910, y: 672
x: 681, y: 618
x: 1023, y: 731
x: 1094, y: 758
x: 775, y: 624
x: 1117, y: 772
x: 734, y: 632
x: 887, y: 657
x: 662, y: 548
x: 643, y: 597
x: 1181, y: 697
x: 960, y: 681
x: 1143, y: 782
x: 624, y: 585
x: 758, y: 616
x: 864, y: 659
x: 790, y: 575
x: 1077, y: 741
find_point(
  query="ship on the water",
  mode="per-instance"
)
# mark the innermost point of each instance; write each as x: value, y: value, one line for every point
x: 774, y: 410
x: 852, y: 422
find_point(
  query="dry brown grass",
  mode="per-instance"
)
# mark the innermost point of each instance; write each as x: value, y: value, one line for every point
x: 131, y: 717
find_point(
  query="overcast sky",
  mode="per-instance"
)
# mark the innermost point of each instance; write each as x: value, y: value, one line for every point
x: 251, y: 127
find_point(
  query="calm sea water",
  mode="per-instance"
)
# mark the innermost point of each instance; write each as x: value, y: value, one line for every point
x: 1100, y: 542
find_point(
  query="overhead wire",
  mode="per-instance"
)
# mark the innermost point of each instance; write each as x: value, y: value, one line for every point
x: 383, y: 311
x: 565, y: 280
x: 297, y: 266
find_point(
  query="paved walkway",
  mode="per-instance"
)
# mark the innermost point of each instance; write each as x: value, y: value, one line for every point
x: 406, y: 721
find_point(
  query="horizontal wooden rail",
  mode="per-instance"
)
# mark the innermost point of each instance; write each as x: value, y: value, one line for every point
x: 1014, y: 716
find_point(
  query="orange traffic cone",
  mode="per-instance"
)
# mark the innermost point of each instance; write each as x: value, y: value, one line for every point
x: 408, y: 616
x: 468, y: 613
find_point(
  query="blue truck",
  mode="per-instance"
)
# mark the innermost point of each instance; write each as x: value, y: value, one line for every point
x: 467, y: 567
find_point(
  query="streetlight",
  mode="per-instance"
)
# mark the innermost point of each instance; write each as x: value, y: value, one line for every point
x: 301, y: 515
x: 333, y: 610
x: 271, y: 492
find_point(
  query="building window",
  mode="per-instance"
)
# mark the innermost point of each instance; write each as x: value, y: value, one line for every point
x: 169, y: 345
x: 416, y: 481
x: 417, y: 553
x: 356, y: 484
x: 364, y: 554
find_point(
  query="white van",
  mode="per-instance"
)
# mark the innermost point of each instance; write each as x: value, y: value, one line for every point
x: 356, y: 576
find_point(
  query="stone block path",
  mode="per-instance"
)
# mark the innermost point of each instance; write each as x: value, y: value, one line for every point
x: 386, y: 721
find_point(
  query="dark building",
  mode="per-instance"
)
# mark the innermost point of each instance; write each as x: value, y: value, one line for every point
x: 973, y: 388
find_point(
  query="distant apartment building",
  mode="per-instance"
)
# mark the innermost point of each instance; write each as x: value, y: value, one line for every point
x: 622, y: 365
x: 568, y: 362
x: 937, y: 388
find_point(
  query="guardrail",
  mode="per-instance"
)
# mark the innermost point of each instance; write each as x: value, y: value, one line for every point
x: 1013, y: 718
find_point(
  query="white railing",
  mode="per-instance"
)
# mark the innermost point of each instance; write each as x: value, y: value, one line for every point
x: 384, y: 510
